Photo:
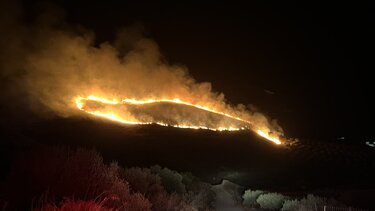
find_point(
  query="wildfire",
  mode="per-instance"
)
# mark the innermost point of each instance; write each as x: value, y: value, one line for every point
x: 81, y: 103
x: 268, y: 137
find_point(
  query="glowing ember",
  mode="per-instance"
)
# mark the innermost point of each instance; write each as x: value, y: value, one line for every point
x: 114, y: 115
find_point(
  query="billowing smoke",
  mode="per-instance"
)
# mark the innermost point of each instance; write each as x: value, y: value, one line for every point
x: 48, y: 63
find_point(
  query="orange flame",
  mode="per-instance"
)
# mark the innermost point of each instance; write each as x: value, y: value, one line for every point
x: 79, y: 101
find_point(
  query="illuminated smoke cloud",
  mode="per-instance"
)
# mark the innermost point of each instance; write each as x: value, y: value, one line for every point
x: 50, y: 63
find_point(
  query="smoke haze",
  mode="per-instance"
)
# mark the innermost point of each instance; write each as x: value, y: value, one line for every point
x: 47, y: 63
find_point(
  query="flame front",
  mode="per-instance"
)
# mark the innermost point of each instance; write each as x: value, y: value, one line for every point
x: 128, y: 119
x: 268, y: 137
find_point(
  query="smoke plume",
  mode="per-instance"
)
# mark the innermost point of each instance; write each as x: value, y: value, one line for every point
x: 46, y: 63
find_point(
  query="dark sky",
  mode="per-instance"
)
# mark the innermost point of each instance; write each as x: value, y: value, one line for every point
x: 309, y: 66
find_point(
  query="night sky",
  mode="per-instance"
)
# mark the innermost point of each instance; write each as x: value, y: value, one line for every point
x: 309, y: 66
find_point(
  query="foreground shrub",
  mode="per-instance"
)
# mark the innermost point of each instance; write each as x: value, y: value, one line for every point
x: 250, y: 197
x: 171, y: 180
x: 198, y: 193
x: 79, y: 205
x: 203, y: 199
x: 291, y: 205
x: 194, y: 195
x: 47, y: 177
x: 142, y: 180
x: 53, y: 174
x: 310, y: 202
x: 88, y: 205
x: 271, y: 201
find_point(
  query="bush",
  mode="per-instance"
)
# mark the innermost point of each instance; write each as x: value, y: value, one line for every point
x: 57, y: 173
x: 291, y: 205
x: 50, y: 176
x: 311, y: 201
x: 170, y: 190
x: 271, y: 201
x: 199, y: 194
x: 142, y: 180
x: 171, y: 180
x: 89, y: 205
x: 204, y: 198
x: 250, y: 197
x: 186, y: 188
x: 191, y: 182
x: 75, y: 205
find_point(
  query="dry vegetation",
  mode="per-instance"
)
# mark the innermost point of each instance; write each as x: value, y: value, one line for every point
x: 64, y: 179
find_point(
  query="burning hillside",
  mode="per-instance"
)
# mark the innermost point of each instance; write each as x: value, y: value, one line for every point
x: 166, y: 112
x: 52, y: 64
